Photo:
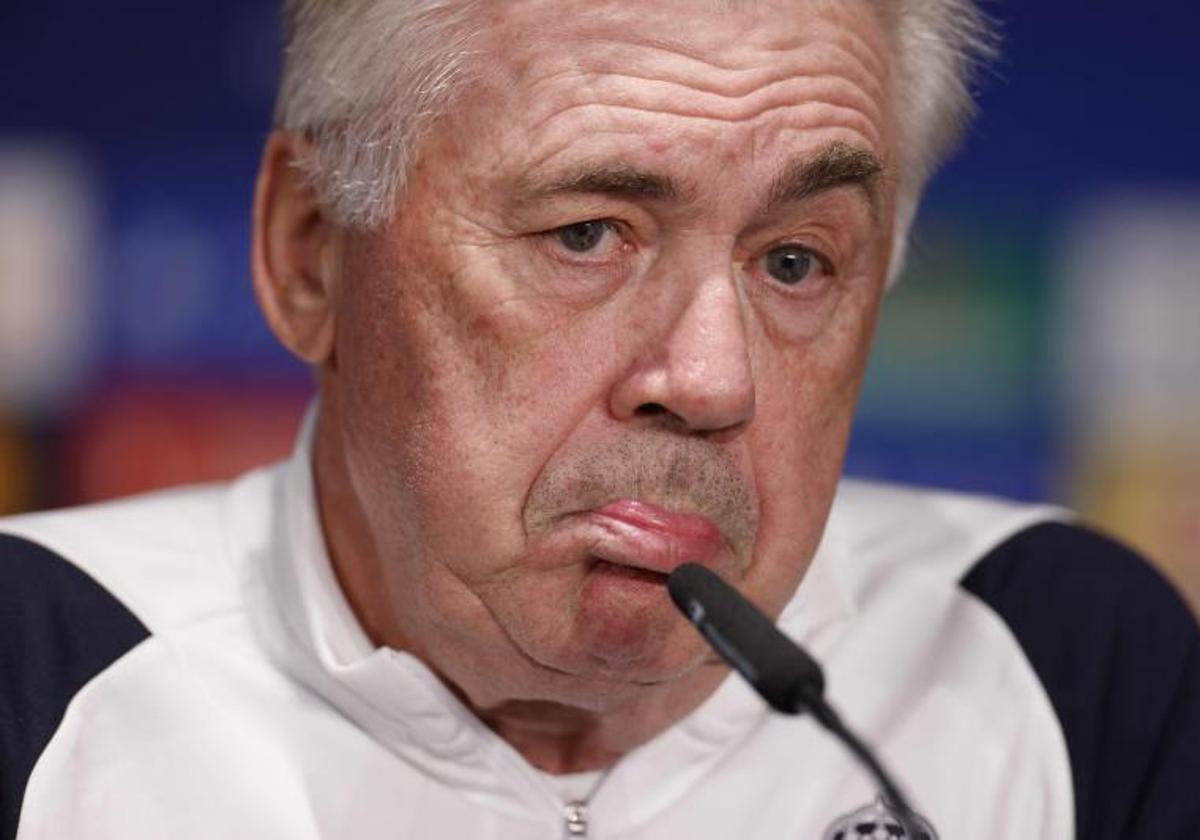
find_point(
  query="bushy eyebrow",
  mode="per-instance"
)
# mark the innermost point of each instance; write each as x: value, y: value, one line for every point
x: 836, y: 165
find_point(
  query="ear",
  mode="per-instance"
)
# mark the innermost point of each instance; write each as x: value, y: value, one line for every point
x: 294, y: 253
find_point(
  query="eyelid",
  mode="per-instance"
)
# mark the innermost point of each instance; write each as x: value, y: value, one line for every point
x: 613, y: 226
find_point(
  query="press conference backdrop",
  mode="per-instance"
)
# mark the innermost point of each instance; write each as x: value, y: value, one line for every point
x: 1045, y: 343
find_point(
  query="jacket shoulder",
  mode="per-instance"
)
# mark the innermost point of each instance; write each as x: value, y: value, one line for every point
x: 1118, y: 655
x: 170, y: 557
x: 59, y: 629
x: 889, y: 533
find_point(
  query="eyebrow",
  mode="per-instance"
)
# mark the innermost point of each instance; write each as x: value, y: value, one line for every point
x: 618, y: 181
x: 836, y: 165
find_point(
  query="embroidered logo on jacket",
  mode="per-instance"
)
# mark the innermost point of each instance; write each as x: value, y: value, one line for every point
x: 877, y: 822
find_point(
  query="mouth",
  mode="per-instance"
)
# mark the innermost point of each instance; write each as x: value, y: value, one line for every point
x: 650, y: 541
x: 632, y: 574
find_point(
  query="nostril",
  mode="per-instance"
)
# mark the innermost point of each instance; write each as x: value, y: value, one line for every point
x: 650, y: 409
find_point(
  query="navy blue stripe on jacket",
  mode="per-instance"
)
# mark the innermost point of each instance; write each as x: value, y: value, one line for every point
x: 1118, y: 653
x: 58, y: 630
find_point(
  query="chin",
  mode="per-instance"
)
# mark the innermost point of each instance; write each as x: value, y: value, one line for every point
x: 631, y: 645
x: 612, y: 633
x: 625, y: 620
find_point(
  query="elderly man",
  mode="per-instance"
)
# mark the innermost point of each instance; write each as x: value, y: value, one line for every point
x: 588, y: 289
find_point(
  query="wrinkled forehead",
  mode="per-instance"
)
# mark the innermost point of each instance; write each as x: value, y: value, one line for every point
x: 725, y: 40
x: 719, y: 82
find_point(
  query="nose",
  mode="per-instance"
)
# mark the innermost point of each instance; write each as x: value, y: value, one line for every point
x: 695, y: 366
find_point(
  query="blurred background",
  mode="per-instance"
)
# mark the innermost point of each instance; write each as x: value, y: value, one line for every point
x: 1045, y: 343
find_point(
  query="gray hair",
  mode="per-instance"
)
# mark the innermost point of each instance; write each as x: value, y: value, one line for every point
x: 364, y: 78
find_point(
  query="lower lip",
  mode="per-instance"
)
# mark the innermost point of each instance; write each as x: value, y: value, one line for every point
x: 646, y: 537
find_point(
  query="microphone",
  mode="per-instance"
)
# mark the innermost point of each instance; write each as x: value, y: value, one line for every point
x: 777, y: 668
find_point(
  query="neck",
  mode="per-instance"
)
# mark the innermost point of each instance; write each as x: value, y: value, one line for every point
x: 560, y: 738
x: 554, y: 737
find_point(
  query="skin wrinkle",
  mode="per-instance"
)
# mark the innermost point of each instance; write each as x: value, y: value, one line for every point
x: 758, y: 82
x: 855, y: 116
x: 742, y: 109
x: 592, y: 63
x: 677, y: 48
x: 857, y: 119
x: 854, y: 122
x: 851, y: 44
x: 859, y: 49
x: 775, y: 71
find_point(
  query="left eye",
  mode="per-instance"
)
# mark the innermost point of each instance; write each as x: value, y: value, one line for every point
x: 583, y: 237
x: 789, y: 264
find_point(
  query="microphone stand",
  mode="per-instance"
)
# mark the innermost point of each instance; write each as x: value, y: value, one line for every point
x: 777, y: 668
x: 829, y: 719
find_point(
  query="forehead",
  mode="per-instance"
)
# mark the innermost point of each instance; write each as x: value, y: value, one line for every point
x: 716, y: 84
x: 728, y: 34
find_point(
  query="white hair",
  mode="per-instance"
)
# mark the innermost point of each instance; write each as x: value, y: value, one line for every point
x: 363, y: 78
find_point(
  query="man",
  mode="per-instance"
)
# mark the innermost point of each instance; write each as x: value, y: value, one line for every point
x: 588, y: 289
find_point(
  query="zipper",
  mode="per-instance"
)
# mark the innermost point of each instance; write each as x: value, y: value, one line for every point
x: 576, y: 816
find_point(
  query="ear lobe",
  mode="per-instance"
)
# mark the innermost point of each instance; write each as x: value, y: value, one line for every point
x: 294, y: 253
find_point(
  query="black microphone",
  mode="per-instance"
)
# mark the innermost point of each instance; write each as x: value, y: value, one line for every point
x: 778, y: 669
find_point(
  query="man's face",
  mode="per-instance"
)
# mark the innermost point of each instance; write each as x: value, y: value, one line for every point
x: 618, y: 322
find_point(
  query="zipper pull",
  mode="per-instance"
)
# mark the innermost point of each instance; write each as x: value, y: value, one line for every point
x: 576, y: 816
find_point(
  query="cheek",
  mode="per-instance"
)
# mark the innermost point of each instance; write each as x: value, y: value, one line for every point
x: 804, y: 412
x: 810, y: 384
x: 397, y: 368
x: 457, y: 393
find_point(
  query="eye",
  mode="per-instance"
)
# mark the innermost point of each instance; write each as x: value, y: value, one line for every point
x: 790, y: 264
x: 584, y: 237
